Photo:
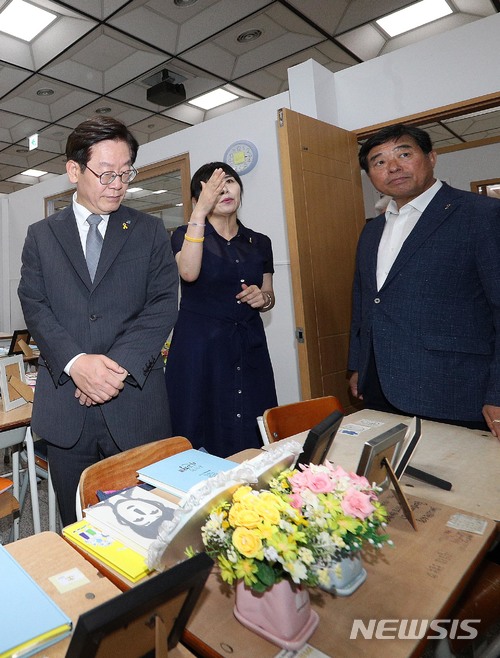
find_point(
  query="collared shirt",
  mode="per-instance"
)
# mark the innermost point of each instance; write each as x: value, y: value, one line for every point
x: 398, y: 226
x: 81, y: 214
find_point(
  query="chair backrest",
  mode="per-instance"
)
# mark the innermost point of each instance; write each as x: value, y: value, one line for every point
x: 120, y: 471
x: 289, y: 419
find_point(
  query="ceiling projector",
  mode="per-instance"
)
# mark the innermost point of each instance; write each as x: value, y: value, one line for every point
x: 166, y: 93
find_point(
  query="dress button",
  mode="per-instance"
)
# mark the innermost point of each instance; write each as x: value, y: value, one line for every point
x: 93, y: 317
x: 377, y: 300
x: 236, y: 261
x: 238, y: 368
x: 238, y: 415
x: 239, y: 391
x: 228, y: 244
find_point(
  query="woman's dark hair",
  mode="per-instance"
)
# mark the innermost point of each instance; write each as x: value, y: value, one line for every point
x: 204, y: 173
x: 390, y: 134
x: 93, y: 131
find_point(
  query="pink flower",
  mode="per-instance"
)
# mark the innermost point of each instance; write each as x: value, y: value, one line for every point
x: 296, y: 501
x: 359, y: 481
x: 317, y: 482
x: 357, y: 504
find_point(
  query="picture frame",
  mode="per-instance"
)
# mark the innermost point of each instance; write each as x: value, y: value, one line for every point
x: 382, y: 448
x: 19, y: 334
x: 319, y: 439
x: 146, y: 620
x: 11, y: 366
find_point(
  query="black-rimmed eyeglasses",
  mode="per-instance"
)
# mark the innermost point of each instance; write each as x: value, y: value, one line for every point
x: 107, y: 177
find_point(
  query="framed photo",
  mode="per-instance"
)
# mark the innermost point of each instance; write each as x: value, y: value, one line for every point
x: 148, y: 619
x: 19, y: 334
x: 384, y: 446
x: 11, y: 366
x: 319, y: 440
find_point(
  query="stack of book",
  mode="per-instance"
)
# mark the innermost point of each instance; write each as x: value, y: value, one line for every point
x: 179, y: 473
x: 123, y: 559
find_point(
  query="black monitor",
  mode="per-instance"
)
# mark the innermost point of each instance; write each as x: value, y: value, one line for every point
x: 129, y: 624
x: 319, y: 439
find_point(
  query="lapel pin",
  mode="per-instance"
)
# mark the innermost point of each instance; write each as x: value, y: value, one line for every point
x: 125, y: 225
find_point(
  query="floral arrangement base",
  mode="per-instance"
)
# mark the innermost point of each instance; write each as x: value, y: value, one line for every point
x: 282, y: 614
x: 346, y: 577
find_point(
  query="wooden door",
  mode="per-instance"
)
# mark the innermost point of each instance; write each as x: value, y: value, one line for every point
x: 325, y: 214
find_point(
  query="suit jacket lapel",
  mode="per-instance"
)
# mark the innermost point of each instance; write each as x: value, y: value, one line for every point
x: 120, y: 225
x: 439, y: 209
x: 65, y: 230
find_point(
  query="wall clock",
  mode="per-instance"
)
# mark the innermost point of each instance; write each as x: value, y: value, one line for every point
x: 242, y: 156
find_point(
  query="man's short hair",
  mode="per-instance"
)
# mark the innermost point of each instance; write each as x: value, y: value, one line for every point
x: 390, y: 134
x: 95, y: 130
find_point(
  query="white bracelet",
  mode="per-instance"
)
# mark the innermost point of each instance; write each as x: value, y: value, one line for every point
x: 269, y: 302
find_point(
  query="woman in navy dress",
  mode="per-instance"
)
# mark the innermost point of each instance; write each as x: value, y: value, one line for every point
x: 219, y: 374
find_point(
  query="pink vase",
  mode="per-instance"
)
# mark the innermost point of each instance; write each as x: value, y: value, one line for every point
x: 281, y: 614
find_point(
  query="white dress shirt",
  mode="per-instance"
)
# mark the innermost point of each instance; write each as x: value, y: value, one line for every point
x: 398, y: 226
x: 81, y: 215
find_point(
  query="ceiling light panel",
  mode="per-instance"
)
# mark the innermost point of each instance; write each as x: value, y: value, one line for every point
x: 415, y: 15
x: 25, y: 21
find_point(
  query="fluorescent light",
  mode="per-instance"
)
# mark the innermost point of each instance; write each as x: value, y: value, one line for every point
x: 213, y: 99
x: 414, y: 16
x: 133, y: 190
x: 159, y: 192
x: 23, y: 20
x: 35, y: 173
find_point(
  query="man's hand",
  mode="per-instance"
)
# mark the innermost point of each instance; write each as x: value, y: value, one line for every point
x: 98, y: 379
x: 492, y: 417
x: 353, y: 385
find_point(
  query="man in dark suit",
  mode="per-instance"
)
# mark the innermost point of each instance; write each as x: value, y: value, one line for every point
x: 425, y: 333
x: 99, y: 325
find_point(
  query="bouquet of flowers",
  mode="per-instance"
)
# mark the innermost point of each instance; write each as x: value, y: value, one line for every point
x: 298, y: 529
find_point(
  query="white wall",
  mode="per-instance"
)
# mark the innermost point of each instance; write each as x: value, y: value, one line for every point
x: 460, y: 168
x: 437, y: 71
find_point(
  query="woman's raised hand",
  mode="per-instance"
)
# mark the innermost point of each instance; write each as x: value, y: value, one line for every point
x: 210, y: 192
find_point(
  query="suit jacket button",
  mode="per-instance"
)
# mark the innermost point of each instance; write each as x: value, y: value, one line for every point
x: 377, y: 300
x: 93, y: 317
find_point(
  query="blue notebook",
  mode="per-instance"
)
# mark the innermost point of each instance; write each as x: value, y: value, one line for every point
x: 29, y: 619
x: 178, y: 473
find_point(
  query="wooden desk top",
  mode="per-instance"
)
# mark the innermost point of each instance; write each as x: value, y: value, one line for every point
x: 469, y: 459
x: 419, y: 578
x: 47, y: 554
x: 16, y: 417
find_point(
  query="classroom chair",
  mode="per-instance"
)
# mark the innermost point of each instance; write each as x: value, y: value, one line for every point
x: 120, y: 471
x: 16, y: 439
x: 289, y: 419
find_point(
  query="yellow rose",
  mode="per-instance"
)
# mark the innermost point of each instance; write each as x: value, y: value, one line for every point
x: 247, y: 543
x: 239, y: 515
x: 241, y: 492
x: 268, y: 512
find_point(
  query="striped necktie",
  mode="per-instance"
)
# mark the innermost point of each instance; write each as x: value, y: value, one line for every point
x: 94, y: 244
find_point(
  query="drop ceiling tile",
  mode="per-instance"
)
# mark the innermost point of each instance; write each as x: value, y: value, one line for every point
x: 324, y: 13
x: 104, y: 60
x: 97, y: 8
x: 25, y: 101
x: 11, y: 77
x: 154, y: 127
